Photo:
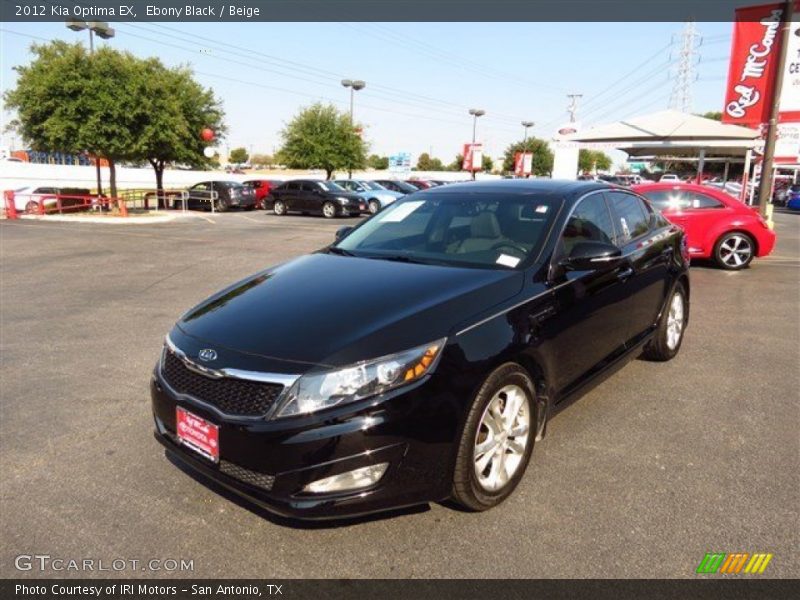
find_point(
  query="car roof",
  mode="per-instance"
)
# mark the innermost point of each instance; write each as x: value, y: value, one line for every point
x: 522, y: 187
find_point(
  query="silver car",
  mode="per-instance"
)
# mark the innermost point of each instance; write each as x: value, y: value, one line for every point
x: 374, y: 193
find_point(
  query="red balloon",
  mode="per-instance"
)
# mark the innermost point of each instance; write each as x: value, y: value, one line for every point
x: 207, y: 134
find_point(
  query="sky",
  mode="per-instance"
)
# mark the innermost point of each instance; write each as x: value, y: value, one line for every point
x: 421, y: 78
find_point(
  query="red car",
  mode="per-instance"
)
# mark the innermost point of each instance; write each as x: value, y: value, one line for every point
x: 717, y: 225
x: 262, y: 188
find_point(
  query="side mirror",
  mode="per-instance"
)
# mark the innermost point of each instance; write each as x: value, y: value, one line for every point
x: 587, y: 256
x: 342, y: 231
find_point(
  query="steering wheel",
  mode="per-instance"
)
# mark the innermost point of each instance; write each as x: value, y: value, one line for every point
x: 499, y: 245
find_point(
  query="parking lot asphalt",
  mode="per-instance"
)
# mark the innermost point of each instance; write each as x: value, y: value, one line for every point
x: 658, y: 465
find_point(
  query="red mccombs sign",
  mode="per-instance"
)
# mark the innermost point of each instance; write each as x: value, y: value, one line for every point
x: 754, y: 63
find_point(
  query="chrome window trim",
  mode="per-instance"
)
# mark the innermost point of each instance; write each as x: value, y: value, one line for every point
x: 555, y: 287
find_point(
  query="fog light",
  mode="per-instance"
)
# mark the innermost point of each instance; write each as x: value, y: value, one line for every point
x: 351, y: 480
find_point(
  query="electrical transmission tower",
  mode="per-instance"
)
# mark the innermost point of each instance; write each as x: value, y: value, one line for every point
x: 681, y: 96
x: 572, y: 109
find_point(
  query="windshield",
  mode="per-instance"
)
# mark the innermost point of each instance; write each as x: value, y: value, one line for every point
x: 405, y: 187
x: 329, y: 186
x: 458, y: 229
x: 372, y: 185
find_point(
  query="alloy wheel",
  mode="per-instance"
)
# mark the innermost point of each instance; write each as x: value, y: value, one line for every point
x: 675, y: 321
x: 329, y: 210
x: 736, y: 251
x: 502, y: 438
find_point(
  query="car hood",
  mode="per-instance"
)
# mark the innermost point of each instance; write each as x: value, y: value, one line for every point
x: 324, y: 309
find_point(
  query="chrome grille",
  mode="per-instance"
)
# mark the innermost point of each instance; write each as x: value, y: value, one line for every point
x: 235, y: 397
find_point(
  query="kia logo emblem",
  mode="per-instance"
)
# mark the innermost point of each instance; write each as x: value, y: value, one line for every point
x: 207, y: 354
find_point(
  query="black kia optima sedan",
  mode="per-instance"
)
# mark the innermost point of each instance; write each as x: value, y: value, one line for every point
x: 419, y: 357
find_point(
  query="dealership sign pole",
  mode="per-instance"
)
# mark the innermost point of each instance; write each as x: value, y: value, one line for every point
x: 765, y: 188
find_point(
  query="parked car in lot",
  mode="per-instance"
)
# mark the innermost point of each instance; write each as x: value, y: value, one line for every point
x: 262, y: 187
x: 788, y: 193
x: 419, y: 356
x: 420, y: 184
x: 669, y: 177
x: 312, y: 196
x: 717, y: 225
x: 222, y: 195
x: 375, y: 195
x: 30, y: 198
x: 397, y: 186
x: 793, y: 199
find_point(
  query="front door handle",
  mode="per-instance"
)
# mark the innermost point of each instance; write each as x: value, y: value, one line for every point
x: 625, y: 274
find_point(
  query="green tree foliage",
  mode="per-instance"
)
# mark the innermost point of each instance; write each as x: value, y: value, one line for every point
x: 487, y: 164
x: 321, y: 137
x: 713, y: 114
x: 238, y: 156
x: 262, y: 160
x: 542, y: 162
x: 426, y: 163
x: 112, y: 105
x: 457, y: 163
x: 378, y: 162
x: 178, y: 108
x: 589, y: 160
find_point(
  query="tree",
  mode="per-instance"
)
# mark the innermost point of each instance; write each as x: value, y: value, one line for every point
x: 487, y: 164
x: 179, y: 108
x: 111, y: 105
x: 71, y: 102
x: 238, y: 156
x: 321, y: 137
x: 426, y: 163
x: 713, y: 114
x: 457, y: 164
x: 378, y: 162
x: 262, y: 160
x: 542, y: 160
x: 589, y: 160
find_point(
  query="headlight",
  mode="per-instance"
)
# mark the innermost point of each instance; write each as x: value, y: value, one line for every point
x: 342, y: 200
x: 316, y: 391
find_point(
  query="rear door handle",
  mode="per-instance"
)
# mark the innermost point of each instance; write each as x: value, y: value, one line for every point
x: 625, y: 274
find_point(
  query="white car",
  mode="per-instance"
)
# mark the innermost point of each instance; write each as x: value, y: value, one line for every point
x: 667, y: 177
x: 30, y: 197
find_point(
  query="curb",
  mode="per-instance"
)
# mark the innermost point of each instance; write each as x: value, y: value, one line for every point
x: 131, y: 220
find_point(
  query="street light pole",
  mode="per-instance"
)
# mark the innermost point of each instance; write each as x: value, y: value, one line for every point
x: 525, y: 125
x: 106, y: 32
x: 354, y: 87
x: 475, y: 112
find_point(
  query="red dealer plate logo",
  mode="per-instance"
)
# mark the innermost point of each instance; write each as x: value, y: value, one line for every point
x: 197, y: 434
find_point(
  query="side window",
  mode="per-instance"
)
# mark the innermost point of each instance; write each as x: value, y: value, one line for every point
x: 308, y: 187
x: 669, y: 200
x: 254, y: 184
x: 632, y: 217
x: 200, y: 187
x: 292, y: 186
x: 590, y: 222
x: 699, y: 200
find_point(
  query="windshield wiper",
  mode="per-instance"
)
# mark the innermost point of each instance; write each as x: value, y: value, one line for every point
x: 339, y: 251
x: 403, y: 258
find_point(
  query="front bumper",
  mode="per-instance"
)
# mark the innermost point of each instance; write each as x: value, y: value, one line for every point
x: 270, y: 462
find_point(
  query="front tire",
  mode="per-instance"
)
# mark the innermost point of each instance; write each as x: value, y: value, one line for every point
x: 669, y: 334
x: 32, y: 207
x: 734, y: 251
x: 374, y: 206
x: 497, y: 440
x: 329, y: 210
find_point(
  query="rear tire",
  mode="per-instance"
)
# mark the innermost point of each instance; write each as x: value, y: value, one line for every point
x: 669, y: 333
x: 734, y: 251
x: 329, y: 210
x: 279, y: 208
x: 32, y: 207
x: 497, y: 440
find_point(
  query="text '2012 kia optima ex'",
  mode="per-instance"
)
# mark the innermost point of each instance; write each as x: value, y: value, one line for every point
x: 418, y: 357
